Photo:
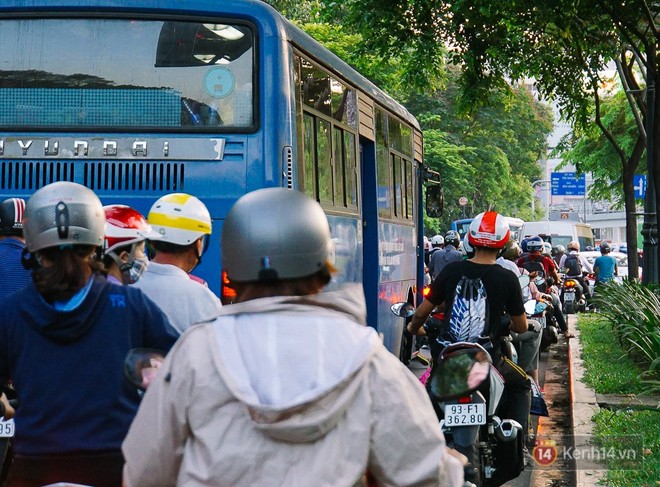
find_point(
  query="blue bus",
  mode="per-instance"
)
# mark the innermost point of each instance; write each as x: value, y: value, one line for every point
x: 140, y: 98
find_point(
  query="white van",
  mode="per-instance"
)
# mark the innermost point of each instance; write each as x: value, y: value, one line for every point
x: 559, y: 232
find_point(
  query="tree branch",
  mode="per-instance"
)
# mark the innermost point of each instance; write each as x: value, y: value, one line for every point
x: 608, y: 135
x: 623, y: 76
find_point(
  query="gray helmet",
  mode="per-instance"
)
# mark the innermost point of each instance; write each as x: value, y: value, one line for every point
x: 275, y: 233
x: 63, y: 213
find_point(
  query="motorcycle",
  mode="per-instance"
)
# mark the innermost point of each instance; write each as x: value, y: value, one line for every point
x: 572, y: 296
x: 538, y: 316
x: 466, y: 391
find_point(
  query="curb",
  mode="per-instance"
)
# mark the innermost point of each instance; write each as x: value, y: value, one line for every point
x: 583, y: 406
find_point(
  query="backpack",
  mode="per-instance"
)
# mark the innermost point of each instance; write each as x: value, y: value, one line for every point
x: 573, y: 265
x: 468, y: 319
x: 532, y: 265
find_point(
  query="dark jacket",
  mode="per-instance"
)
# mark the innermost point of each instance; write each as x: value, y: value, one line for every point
x: 67, y: 366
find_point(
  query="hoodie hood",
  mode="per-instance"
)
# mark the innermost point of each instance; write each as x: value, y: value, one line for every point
x: 317, y: 348
x: 64, y: 326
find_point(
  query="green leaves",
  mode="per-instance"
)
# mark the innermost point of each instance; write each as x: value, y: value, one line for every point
x: 633, y: 312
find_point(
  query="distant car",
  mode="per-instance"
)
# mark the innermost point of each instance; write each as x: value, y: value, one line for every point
x: 621, y: 261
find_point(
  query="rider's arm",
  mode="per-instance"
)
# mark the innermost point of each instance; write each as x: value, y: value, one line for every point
x: 518, y: 324
x: 420, y: 317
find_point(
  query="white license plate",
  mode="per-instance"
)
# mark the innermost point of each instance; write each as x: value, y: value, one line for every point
x: 465, y: 414
x: 7, y: 428
x: 568, y: 297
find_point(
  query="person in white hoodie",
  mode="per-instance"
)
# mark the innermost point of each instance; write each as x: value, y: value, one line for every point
x: 287, y: 387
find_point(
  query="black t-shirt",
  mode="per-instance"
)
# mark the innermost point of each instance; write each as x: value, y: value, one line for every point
x: 502, y: 288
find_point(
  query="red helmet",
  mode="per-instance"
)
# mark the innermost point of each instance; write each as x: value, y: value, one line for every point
x: 489, y: 229
x: 125, y: 226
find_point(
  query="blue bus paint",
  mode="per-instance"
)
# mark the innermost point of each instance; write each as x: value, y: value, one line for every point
x: 135, y: 165
x: 461, y: 226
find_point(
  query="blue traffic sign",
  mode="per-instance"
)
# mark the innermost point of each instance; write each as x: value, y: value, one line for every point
x: 566, y: 184
x: 639, y: 186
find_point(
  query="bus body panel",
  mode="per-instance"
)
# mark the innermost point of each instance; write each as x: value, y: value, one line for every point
x: 219, y: 165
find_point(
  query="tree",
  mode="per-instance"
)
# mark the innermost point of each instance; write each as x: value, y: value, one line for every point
x: 563, y: 44
x: 488, y: 155
x: 590, y: 150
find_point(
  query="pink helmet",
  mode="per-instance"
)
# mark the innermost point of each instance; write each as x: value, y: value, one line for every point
x: 125, y: 226
x: 489, y: 229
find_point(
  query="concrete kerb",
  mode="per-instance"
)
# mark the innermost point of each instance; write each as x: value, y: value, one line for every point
x: 583, y: 406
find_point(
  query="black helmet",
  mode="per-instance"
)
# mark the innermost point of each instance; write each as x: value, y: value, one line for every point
x: 452, y: 238
x: 605, y: 248
x: 11, y: 216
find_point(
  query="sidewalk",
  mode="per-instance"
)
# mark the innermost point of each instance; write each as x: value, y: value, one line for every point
x: 584, y: 406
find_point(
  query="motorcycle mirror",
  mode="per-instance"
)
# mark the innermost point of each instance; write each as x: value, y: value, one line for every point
x: 524, y: 281
x: 459, y: 371
x: 141, y: 366
x: 404, y: 310
x: 530, y: 307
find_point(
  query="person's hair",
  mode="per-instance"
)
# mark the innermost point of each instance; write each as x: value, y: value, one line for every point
x: 67, y: 273
x: 301, y: 286
x: 169, y: 247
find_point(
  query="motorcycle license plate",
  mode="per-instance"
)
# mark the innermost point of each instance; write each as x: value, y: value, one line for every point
x: 465, y: 414
x: 568, y: 297
x: 7, y: 428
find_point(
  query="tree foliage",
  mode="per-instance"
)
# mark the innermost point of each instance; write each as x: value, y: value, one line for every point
x: 563, y: 44
x: 488, y: 154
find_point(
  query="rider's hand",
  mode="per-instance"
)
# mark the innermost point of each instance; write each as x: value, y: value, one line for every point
x: 8, y: 410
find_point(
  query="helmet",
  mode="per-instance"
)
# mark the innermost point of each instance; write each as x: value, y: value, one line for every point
x: 63, y: 213
x: 11, y: 216
x: 523, y: 245
x: 574, y: 245
x: 466, y: 248
x: 275, y: 233
x: 437, y: 240
x: 180, y: 218
x: 452, y: 238
x: 534, y: 244
x: 559, y: 249
x: 490, y: 230
x: 125, y: 226
x: 605, y: 248
x: 511, y: 250
x: 547, y: 248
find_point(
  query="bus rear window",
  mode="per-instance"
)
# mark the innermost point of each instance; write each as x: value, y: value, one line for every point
x: 120, y: 74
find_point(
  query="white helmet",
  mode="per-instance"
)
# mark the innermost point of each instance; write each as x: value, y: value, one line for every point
x: 437, y: 240
x: 489, y: 229
x: 180, y: 218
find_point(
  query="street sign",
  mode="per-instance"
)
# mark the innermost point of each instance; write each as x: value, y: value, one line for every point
x: 566, y: 184
x: 639, y: 186
x: 462, y: 201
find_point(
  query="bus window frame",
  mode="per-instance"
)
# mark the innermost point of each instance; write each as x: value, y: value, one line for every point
x: 304, y: 110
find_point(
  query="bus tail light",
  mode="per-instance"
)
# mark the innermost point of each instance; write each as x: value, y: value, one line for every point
x: 426, y: 290
x: 227, y: 293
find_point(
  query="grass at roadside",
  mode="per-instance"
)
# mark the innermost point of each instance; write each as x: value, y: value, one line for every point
x: 613, y: 426
x: 608, y: 370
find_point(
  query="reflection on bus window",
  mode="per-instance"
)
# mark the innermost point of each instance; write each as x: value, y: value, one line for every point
x: 113, y: 74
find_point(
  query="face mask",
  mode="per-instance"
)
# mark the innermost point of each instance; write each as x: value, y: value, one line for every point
x: 132, y: 270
